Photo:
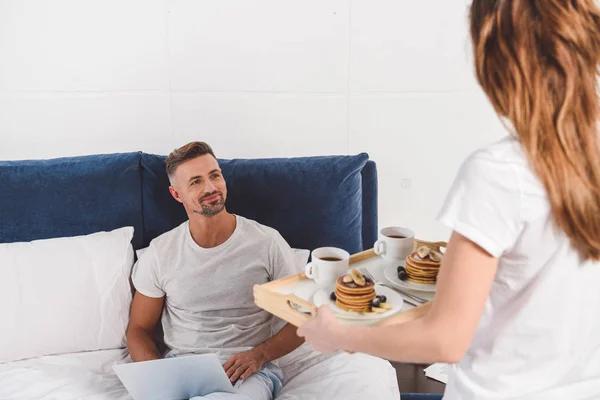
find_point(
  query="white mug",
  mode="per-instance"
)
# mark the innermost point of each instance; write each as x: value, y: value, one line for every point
x: 394, y: 244
x: 328, y: 264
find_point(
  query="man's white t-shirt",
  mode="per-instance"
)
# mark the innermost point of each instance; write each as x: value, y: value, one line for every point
x: 539, y: 336
x: 209, y: 303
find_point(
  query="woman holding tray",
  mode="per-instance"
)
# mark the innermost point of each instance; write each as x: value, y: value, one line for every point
x: 517, y: 307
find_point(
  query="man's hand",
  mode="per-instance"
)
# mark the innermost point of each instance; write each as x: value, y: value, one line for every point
x: 244, y: 364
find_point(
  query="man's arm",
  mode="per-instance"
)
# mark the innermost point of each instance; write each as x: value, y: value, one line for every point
x: 282, y: 262
x: 145, y: 312
x: 245, y: 364
x: 281, y: 344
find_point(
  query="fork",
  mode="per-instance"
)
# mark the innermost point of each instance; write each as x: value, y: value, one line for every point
x: 298, y: 307
x: 412, y: 297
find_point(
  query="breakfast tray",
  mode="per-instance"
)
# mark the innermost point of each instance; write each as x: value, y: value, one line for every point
x: 280, y: 297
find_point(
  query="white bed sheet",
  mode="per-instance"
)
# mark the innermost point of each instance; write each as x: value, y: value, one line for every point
x: 89, y: 376
x: 74, y: 376
x: 341, y: 376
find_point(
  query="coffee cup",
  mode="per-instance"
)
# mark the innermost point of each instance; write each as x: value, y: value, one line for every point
x: 327, y: 264
x: 394, y: 244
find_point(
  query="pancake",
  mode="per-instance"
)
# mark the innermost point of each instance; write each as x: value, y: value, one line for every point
x: 352, y: 288
x: 415, y: 270
x: 415, y: 259
x: 351, y: 296
x: 351, y: 307
x: 422, y: 269
x: 422, y: 281
x: 349, y: 299
x: 353, y: 285
x: 354, y: 302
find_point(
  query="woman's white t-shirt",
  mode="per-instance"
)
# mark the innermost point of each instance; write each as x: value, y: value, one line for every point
x: 539, y: 336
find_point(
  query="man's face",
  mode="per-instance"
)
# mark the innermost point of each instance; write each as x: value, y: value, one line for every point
x: 199, y: 185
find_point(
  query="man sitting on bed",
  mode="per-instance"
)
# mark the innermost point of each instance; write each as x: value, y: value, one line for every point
x: 201, y: 274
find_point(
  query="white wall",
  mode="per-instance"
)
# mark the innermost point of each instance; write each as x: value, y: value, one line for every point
x: 254, y: 78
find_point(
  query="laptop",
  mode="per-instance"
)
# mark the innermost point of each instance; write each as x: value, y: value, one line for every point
x: 176, y: 378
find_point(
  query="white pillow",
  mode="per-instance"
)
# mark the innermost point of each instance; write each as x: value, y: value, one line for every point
x: 139, y: 252
x: 65, y: 295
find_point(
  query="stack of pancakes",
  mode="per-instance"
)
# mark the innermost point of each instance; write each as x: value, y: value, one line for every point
x: 422, y: 266
x: 353, y: 297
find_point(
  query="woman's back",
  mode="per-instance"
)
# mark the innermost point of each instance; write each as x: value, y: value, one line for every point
x: 517, y: 297
x: 539, y: 335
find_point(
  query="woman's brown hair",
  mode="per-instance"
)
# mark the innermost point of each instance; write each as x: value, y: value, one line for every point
x: 538, y: 62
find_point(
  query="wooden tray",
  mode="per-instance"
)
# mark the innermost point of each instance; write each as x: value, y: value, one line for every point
x: 266, y: 296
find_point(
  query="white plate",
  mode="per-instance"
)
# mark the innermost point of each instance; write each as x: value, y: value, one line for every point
x: 321, y: 297
x: 391, y: 275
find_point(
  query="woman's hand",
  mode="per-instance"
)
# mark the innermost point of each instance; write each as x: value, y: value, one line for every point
x: 324, y: 333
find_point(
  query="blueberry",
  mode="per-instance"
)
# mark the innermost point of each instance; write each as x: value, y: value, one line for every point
x: 375, y: 302
x: 367, y: 280
x: 332, y: 296
x: 402, y: 275
x: 382, y: 298
x: 400, y: 269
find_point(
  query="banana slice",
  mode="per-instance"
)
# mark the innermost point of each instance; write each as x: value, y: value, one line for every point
x: 369, y: 313
x: 347, y: 278
x: 423, y: 251
x: 435, y: 256
x: 358, y: 278
x: 378, y: 310
x: 385, y: 306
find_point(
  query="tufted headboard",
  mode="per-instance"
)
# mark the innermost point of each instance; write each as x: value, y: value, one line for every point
x: 311, y: 201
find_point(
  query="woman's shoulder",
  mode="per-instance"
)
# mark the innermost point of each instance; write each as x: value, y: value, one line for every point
x: 502, y: 160
x: 492, y: 163
x: 507, y: 151
x: 504, y: 166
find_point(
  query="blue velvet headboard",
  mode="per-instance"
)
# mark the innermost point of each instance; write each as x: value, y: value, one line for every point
x: 312, y: 201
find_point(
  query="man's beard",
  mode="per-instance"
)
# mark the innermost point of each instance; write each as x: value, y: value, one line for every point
x: 213, y: 208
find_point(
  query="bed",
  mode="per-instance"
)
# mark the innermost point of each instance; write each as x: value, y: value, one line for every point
x: 89, y: 376
x: 66, y: 349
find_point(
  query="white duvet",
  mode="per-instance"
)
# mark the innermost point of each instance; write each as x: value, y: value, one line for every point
x: 71, y: 376
x: 89, y: 376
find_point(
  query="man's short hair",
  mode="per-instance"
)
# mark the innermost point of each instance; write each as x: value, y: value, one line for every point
x: 185, y: 153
